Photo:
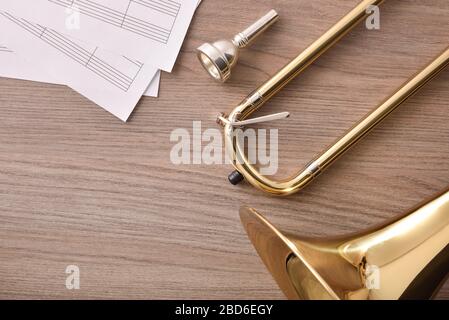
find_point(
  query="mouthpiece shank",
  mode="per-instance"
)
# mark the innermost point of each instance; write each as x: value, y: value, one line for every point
x: 247, y: 36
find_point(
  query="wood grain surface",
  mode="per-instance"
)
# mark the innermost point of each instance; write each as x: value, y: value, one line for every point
x: 77, y: 186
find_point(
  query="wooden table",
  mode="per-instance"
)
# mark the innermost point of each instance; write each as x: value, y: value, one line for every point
x: 79, y: 187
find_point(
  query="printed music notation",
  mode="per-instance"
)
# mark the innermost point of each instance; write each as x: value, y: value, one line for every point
x: 89, y: 57
x: 153, y: 19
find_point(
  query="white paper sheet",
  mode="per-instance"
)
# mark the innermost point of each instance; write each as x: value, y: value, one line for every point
x: 153, y: 88
x: 14, y: 66
x: 114, y: 82
x: 151, y: 31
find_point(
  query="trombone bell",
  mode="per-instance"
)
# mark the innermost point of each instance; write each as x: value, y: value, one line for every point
x: 407, y: 258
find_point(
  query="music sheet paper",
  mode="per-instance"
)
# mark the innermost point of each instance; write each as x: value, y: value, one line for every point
x: 153, y: 87
x: 14, y: 66
x: 114, y: 82
x: 151, y: 31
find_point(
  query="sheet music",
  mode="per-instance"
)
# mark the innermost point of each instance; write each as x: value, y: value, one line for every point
x: 153, y: 88
x: 14, y: 66
x: 151, y: 31
x: 122, y: 16
x: 114, y: 82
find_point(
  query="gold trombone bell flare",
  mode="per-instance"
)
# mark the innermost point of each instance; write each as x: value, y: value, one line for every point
x: 407, y: 258
x: 244, y: 169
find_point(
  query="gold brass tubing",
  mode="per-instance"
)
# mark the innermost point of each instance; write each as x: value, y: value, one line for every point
x: 315, y: 50
x: 257, y: 98
x: 261, y: 95
x: 341, y: 145
x: 385, y: 108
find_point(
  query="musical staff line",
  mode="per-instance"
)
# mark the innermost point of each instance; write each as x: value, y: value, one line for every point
x: 125, y: 20
x: 5, y: 49
x: 87, y: 59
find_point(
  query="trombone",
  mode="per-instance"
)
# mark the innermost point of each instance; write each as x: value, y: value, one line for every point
x: 239, y: 116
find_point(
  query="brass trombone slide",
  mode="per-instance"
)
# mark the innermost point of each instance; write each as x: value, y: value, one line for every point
x: 244, y: 169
